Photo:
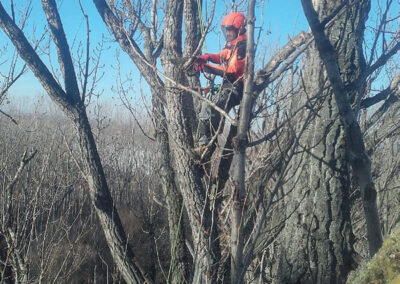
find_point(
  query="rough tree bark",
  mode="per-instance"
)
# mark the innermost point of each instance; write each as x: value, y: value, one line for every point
x: 347, y: 85
x: 179, y: 266
x: 188, y: 173
x: 317, y: 243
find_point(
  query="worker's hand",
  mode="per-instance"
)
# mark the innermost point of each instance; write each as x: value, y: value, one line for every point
x: 200, y: 62
x: 203, y: 58
x: 199, y: 65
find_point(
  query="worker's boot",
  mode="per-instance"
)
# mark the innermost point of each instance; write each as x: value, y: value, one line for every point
x: 204, y: 129
x: 204, y: 137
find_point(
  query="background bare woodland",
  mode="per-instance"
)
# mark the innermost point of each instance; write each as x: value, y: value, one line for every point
x: 300, y: 189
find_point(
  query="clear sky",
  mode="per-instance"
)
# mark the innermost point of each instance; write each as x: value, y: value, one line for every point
x: 280, y: 20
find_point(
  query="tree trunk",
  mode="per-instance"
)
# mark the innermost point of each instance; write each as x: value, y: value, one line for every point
x: 348, y: 86
x: 317, y: 242
x: 179, y: 270
x: 188, y: 173
x: 104, y: 205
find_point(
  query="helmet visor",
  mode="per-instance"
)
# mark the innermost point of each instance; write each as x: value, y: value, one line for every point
x: 230, y: 32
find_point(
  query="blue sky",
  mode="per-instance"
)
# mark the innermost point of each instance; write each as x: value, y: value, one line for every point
x: 280, y: 20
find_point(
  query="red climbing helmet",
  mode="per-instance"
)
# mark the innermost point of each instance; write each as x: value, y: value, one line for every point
x: 235, y: 20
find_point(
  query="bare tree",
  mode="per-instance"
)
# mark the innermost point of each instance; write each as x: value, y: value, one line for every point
x: 71, y: 101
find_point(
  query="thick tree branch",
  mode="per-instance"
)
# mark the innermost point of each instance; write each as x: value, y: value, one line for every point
x: 153, y: 22
x: 187, y: 171
x: 64, y: 54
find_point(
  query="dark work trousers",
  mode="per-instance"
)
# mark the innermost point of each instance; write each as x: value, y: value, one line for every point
x: 228, y: 96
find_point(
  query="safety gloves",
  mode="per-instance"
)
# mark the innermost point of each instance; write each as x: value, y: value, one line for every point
x: 203, y: 57
x: 201, y: 61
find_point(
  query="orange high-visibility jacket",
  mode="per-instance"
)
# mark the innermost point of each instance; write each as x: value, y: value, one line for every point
x: 231, y: 59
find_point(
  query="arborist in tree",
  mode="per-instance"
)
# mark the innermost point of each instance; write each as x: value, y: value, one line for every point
x: 231, y: 62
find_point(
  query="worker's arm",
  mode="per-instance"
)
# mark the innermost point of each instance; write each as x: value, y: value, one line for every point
x: 216, y: 58
x: 220, y: 71
x: 216, y: 70
x: 233, y: 70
